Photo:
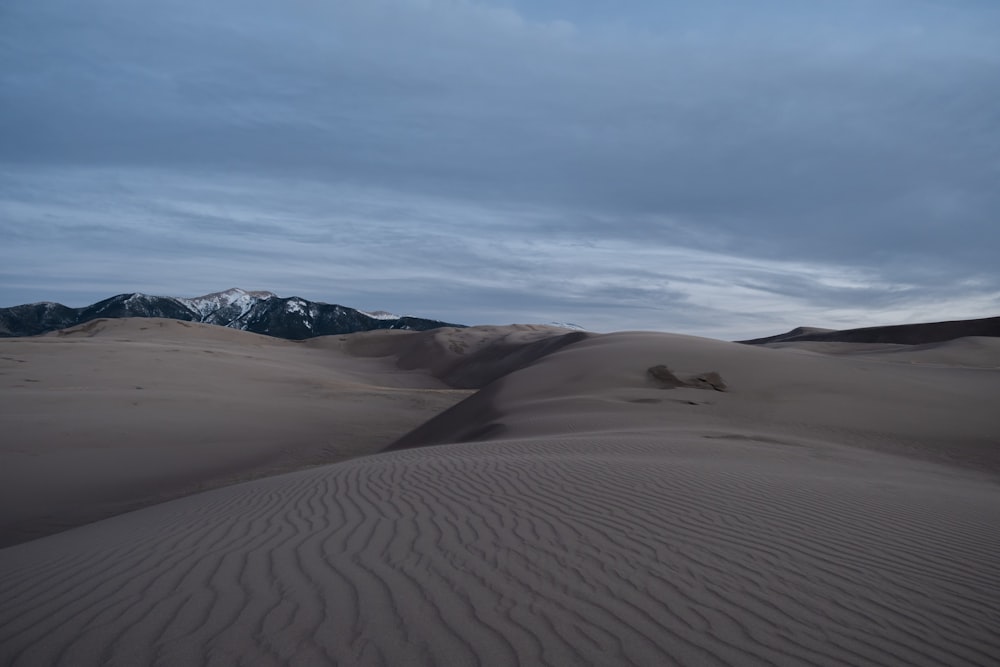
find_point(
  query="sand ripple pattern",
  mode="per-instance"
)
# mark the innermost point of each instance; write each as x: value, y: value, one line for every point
x: 576, y: 552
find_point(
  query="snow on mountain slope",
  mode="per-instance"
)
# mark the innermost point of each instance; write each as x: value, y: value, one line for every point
x: 225, y: 307
x: 379, y: 314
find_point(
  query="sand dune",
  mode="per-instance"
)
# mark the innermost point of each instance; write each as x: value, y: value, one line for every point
x: 116, y: 414
x: 969, y: 351
x: 945, y: 413
x: 575, y: 551
x: 905, y: 334
x: 825, y: 509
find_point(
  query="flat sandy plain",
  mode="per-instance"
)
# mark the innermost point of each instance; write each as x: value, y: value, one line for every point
x: 542, y: 499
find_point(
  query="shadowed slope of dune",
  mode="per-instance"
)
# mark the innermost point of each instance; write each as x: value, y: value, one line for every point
x: 470, y: 357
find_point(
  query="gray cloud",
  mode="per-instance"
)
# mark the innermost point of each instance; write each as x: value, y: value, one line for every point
x: 696, y: 163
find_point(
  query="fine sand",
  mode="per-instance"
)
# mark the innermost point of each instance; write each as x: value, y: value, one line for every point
x: 833, y: 504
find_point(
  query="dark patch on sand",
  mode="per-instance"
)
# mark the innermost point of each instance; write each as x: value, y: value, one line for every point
x: 668, y: 380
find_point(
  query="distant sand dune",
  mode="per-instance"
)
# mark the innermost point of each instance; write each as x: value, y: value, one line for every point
x: 834, y: 506
x: 971, y: 351
x: 906, y: 334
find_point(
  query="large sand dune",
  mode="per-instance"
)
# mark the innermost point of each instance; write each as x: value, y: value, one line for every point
x: 831, y: 506
x: 896, y: 401
x: 116, y: 414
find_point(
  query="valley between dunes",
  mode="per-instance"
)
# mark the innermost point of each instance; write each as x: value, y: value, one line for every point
x: 496, y: 496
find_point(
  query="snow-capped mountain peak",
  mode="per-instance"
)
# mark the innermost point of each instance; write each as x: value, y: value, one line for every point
x: 227, y: 306
x: 256, y: 311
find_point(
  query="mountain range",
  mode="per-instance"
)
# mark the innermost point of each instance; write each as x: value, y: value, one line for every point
x: 296, y: 318
x: 260, y: 312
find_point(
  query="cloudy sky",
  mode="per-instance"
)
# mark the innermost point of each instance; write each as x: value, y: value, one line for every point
x: 722, y: 168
